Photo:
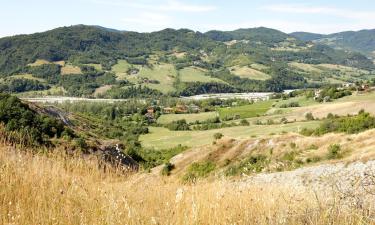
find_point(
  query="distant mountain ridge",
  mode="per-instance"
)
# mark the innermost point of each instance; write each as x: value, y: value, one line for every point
x: 361, y: 41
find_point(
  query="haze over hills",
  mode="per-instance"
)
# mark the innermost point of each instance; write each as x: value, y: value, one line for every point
x: 121, y: 64
x: 361, y: 41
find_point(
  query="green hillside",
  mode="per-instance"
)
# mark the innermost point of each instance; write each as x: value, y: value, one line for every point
x: 87, y: 60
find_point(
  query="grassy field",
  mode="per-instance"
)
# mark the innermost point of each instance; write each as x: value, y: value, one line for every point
x: 165, y: 119
x: 121, y: 67
x: 306, y: 67
x: 247, y: 111
x: 193, y: 74
x: 302, y: 101
x: 250, y: 73
x: 259, y: 66
x: 162, y: 138
x: 98, y: 67
x: 165, y: 74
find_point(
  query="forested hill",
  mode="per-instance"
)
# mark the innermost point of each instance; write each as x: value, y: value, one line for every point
x: 96, y: 61
x: 361, y: 41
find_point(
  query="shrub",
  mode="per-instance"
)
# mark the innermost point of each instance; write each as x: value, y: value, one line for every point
x: 244, y: 122
x: 314, y: 159
x: 198, y: 170
x: 334, y: 151
x: 253, y: 164
x: 218, y: 136
x: 284, y: 120
x: 290, y: 105
x: 309, y: 116
x: 168, y: 167
x: 179, y: 125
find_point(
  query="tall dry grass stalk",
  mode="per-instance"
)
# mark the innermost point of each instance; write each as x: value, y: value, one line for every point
x: 57, y: 189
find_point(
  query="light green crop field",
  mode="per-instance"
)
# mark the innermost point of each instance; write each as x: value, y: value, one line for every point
x: 165, y: 119
x: 162, y: 138
x: 193, y: 74
x: 122, y: 66
x: 247, y: 111
x: 120, y: 69
x: 259, y: 66
x: 250, y: 73
x: 98, y: 67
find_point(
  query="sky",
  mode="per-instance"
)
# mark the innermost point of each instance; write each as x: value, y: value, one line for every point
x: 319, y: 16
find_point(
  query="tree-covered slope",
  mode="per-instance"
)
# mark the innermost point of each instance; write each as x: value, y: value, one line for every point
x: 361, y: 41
x: 306, y: 36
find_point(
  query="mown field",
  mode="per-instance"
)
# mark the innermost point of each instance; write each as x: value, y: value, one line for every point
x: 249, y: 73
x: 162, y: 138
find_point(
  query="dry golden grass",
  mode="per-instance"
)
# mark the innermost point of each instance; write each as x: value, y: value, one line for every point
x: 57, y: 189
x: 250, y: 73
x: 40, y: 62
x: 70, y: 69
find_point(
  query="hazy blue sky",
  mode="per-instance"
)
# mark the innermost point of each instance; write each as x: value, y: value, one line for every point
x: 324, y: 16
